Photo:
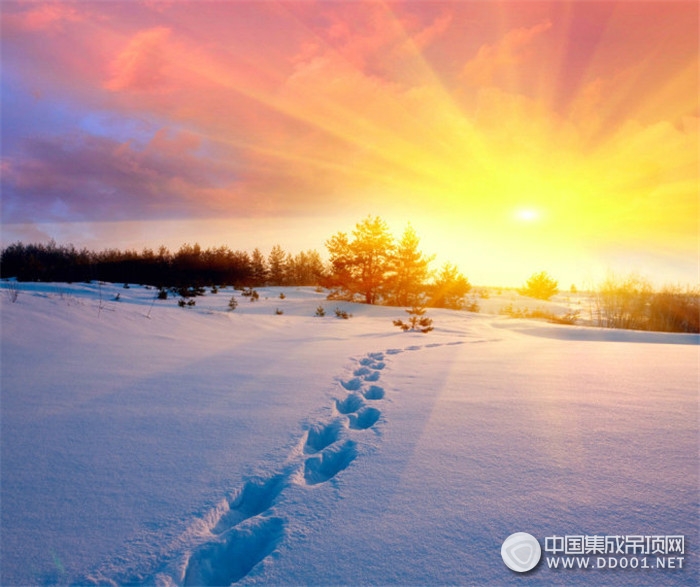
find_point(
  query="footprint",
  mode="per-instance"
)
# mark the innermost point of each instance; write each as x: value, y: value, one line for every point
x: 413, y: 348
x: 372, y: 363
x: 373, y: 376
x: 350, y: 404
x: 235, y: 553
x: 365, y: 418
x: 394, y: 351
x: 374, y: 393
x: 433, y: 345
x: 329, y: 463
x: 254, y: 498
x: 362, y: 371
x: 319, y: 436
x: 352, y: 385
x: 376, y: 356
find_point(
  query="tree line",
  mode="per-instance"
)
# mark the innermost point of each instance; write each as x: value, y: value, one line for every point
x: 369, y: 265
x: 190, y: 265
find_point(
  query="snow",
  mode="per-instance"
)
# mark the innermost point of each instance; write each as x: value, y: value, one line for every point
x: 151, y: 444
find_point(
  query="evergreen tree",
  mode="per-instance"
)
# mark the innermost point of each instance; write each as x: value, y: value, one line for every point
x: 362, y: 265
x: 258, y: 267
x: 449, y: 288
x: 277, y: 266
x: 540, y: 286
x: 409, y: 271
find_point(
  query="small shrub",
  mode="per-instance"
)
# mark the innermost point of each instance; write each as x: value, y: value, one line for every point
x: 251, y: 293
x: 126, y: 286
x: 232, y: 304
x: 279, y: 312
x: 191, y: 303
x: 182, y: 303
x: 214, y: 290
x: 320, y: 312
x: 342, y: 314
x: 117, y: 297
x: 162, y: 294
x: 569, y: 318
x: 282, y: 296
x: 190, y: 291
x: 12, y: 291
x: 417, y: 321
x: 513, y: 312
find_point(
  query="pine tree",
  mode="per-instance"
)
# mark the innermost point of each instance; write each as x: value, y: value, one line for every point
x: 362, y: 265
x: 277, y: 267
x: 449, y: 288
x: 540, y: 286
x: 258, y: 267
x: 409, y: 270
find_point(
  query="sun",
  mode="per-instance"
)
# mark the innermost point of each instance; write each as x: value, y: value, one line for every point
x: 527, y: 215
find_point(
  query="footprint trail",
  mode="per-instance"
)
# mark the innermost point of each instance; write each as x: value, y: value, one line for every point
x: 247, y: 527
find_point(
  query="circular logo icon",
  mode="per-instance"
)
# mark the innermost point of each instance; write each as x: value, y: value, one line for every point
x: 521, y: 552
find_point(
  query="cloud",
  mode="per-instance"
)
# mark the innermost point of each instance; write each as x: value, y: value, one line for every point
x: 40, y: 17
x: 141, y: 66
x: 98, y: 178
x: 506, y: 54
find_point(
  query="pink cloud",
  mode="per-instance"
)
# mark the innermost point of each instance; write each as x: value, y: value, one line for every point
x: 509, y: 52
x: 41, y: 17
x: 141, y: 65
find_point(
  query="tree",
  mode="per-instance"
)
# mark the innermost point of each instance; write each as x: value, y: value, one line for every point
x: 277, y: 267
x: 409, y: 270
x: 361, y: 266
x: 305, y: 268
x: 540, y: 286
x: 258, y: 267
x: 449, y: 288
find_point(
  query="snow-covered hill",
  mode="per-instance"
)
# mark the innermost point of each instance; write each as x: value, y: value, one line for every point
x: 152, y: 444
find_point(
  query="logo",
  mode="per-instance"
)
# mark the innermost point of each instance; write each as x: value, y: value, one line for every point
x: 521, y: 552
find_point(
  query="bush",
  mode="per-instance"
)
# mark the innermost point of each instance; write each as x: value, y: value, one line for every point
x: 631, y: 303
x: 282, y: 296
x: 569, y: 318
x: 232, y: 304
x: 320, y: 312
x: 417, y: 321
x: 279, y: 312
x: 162, y: 294
x: 342, y: 314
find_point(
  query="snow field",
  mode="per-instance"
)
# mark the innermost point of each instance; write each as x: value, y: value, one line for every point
x: 204, y: 447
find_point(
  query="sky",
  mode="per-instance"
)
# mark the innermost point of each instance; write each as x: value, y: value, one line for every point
x: 514, y: 136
